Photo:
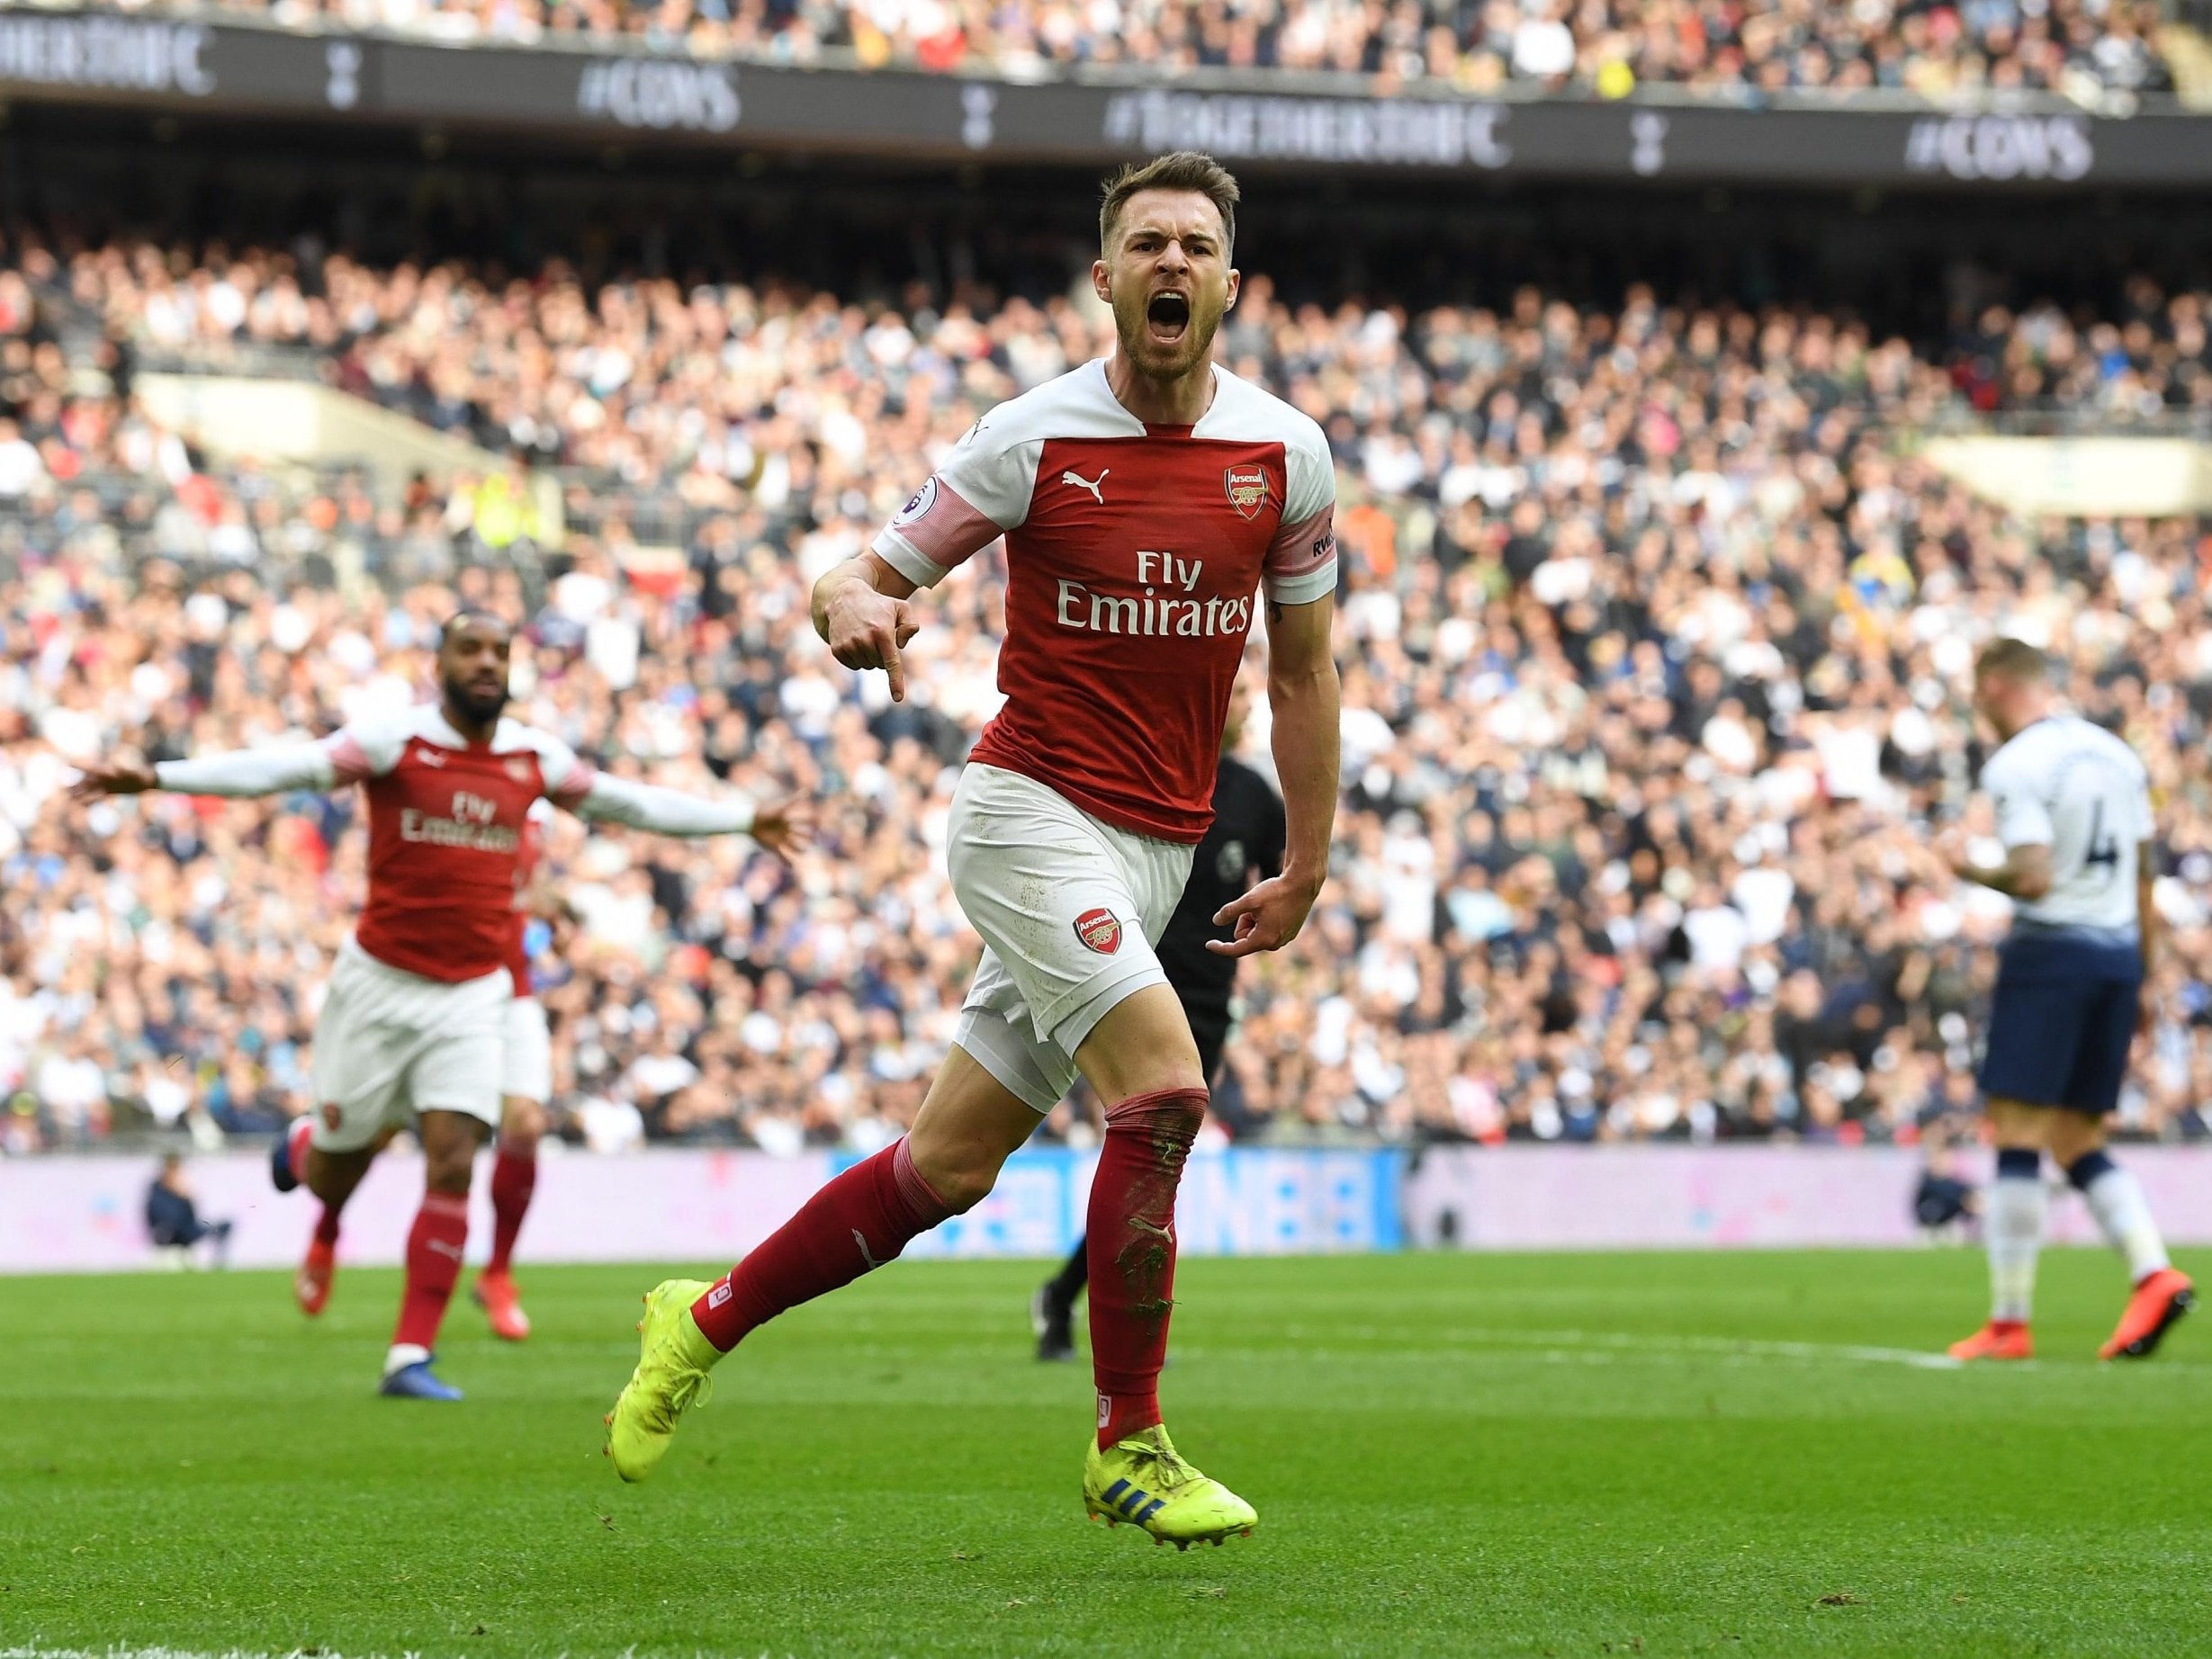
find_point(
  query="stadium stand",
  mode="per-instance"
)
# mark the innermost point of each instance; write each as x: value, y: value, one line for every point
x: 1654, y: 640
x: 1730, y: 48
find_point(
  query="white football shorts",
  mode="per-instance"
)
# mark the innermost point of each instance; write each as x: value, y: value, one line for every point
x: 526, y: 1070
x: 1069, y: 909
x: 389, y: 1044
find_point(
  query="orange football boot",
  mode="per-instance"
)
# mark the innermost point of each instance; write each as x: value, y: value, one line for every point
x: 311, y: 1286
x: 495, y: 1293
x: 2159, y: 1300
x: 2001, y: 1339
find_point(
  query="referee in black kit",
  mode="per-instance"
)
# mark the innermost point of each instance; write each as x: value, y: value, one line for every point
x: 1244, y: 846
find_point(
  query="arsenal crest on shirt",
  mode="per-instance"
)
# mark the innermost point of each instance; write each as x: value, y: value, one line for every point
x: 1100, y: 930
x: 1247, y: 487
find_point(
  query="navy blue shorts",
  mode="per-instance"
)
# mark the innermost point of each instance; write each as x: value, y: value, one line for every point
x: 2063, y: 1019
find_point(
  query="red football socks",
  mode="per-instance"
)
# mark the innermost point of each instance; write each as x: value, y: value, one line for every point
x: 326, y: 1225
x: 514, y: 1178
x: 1132, y: 1252
x: 856, y: 1223
x: 434, y: 1248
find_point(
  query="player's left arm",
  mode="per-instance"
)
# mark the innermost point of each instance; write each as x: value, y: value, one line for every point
x: 2148, y: 924
x: 781, y: 827
x: 1305, y: 699
x: 1274, y: 841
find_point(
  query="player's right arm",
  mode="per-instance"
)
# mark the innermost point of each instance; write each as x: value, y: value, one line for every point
x: 2024, y: 826
x: 981, y: 492
x: 344, y: 757
x: 861, y: 613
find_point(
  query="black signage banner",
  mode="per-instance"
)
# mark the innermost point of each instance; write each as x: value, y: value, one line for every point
x: 594, y: 96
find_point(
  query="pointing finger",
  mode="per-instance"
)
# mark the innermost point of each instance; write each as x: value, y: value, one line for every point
x: 1243, y: 904
x: 896, y: 669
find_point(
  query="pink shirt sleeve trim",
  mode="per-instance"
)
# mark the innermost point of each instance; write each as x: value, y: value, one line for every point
x: 1303, y: 548
x: 349, y: 762
x: 567, y: 793
x: 941, y: 527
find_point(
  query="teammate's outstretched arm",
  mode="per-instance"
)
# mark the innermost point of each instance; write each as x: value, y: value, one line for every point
x: 242, y: 772
x: 1306, y: 699
x: 781, y: 827
x: 861, y: 613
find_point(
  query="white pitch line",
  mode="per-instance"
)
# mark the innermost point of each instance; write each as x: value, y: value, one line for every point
x: 1917, y: 1359
x: 1717, y: 1346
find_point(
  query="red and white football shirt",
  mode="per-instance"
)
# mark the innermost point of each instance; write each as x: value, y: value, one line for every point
x: 447, y: 821
x: 1135, y: 554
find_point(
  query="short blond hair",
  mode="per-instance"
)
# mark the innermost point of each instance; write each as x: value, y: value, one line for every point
x: 2012, y: 659
x: 1183, y: 170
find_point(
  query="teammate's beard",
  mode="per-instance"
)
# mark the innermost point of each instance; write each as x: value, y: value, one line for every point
x: 480, y: 708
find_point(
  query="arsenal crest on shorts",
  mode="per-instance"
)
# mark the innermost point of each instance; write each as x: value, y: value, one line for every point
x: 1100, y: 930
x: 1247, y: 487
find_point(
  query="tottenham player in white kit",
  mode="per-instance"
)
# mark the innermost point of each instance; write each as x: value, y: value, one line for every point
x: 2073, y: 811
x: 1147, y: 501
x: 413, y: 1026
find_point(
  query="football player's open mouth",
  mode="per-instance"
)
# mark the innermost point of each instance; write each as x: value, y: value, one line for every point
x: 1168, y: 315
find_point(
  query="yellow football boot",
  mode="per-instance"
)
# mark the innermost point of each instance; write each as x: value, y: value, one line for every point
x: 670, y: 1378
x: 1144, y: 1481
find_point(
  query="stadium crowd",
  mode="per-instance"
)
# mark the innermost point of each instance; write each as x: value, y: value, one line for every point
x: 1655, y: 657
x: 2087, y: 49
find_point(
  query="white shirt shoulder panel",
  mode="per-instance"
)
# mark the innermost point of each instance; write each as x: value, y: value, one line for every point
x: 1245, y: 413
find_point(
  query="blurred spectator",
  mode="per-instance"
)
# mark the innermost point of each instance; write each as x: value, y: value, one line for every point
x: 1655, y: 655
x: 173, y: 1216
x: 2087, y: 49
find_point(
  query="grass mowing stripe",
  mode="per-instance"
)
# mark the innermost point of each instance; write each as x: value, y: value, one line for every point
x: 1452, y: 1455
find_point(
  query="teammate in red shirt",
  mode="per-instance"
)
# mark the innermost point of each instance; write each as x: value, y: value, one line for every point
x: 1146, y: 501
x: 526, y: 1091
x: 413, y: 1024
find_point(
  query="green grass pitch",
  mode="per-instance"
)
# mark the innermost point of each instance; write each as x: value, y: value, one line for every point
x: 1450, y: 1455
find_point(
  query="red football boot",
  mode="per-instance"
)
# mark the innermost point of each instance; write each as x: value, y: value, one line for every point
x: 2001, y: 1339
x: 2159, y: 1300
x: 496, y: 1294
x: 311, y: 1284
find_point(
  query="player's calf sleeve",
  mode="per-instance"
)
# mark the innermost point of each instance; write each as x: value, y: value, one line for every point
x: 2122, y: 1213
x: 434, y: 1250
x: 514, y: 1179
x: 2013, y: 1231
x: 856, y: 1223
x: 1132, y: 1250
